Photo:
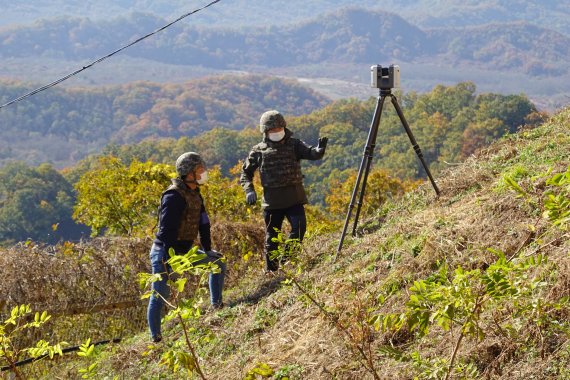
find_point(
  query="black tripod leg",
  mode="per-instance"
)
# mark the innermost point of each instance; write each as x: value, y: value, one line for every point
x: 413, y: 141
x: 372, y: 144
x: 364, y: 167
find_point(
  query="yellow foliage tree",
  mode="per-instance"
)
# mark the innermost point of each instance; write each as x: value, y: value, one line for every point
x: 121, y: 200
x: 380, y: 186
x: 225, y: 197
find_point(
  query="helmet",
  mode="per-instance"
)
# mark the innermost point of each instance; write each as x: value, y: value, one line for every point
x: 271, y: 119
x: 187, y: 163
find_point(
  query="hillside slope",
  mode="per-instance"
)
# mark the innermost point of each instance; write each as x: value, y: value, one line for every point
x: 410, y: 242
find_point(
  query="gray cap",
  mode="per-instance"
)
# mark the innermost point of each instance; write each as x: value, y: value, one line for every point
x: 187, y: 163
x: 271, y: 119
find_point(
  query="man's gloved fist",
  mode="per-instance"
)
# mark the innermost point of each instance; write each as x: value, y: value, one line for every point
x: 322, y: 145
x: 250, y: 197
x: 214, y: 254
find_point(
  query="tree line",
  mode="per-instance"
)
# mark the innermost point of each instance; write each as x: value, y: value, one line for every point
x: 450, y: 123
x: 64, y: 125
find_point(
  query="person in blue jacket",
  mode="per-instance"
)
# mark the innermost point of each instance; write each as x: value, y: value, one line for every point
x: 182, y: 218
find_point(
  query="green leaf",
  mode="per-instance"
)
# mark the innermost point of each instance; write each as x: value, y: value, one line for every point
x: 180, y: 284
x: 262, y: 369
x: 515, y: 186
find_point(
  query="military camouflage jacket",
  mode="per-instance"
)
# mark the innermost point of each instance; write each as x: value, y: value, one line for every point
x: 278, y: 163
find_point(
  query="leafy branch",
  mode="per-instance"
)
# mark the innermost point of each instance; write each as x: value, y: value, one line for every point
x: 458, y: 300
x: 183, y: 310
x: 17, y: 325
x: 557, y: 202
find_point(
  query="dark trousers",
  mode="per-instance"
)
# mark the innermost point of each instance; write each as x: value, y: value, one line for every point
x: 274, y: 220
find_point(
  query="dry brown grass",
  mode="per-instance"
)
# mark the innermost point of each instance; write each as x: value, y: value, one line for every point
x: 471, y: 215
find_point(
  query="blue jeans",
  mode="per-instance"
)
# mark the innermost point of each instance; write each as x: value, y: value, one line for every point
x: 158, y: 258
x: 274, y: 220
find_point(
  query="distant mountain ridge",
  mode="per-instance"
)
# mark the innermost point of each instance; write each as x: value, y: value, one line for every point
x: 348, y: 36
x: 551, y: 14
x: 531, y: 49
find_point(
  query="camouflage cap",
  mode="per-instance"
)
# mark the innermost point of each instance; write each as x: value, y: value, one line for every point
x: 187, y: 163
x: 271, y: 119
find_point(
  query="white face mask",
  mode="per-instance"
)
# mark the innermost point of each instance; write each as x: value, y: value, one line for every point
x: 203, y: 178
x: 276, y: 136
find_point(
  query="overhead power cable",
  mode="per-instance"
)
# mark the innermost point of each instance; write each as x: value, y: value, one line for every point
x: 40, y: 89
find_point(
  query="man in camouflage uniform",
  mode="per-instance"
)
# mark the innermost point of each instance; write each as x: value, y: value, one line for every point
x: 278, y: 158
x: 182, y: 217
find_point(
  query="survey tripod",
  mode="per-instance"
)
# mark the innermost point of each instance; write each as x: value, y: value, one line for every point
x: 364, y: 169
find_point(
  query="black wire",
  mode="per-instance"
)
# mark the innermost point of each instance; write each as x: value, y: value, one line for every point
x: 40, y: 89
x: 63, y: 351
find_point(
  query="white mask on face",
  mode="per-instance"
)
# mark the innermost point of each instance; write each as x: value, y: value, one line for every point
x: 276, y: 136
x: 203, y: 178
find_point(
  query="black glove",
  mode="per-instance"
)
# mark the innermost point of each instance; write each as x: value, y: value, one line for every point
x: 250, y: 197
x: 322, y: 145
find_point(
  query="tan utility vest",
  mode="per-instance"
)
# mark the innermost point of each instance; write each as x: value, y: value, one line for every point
x: 189, y: 225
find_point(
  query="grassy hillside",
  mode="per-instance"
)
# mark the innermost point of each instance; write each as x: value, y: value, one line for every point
x: 395, y: 303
